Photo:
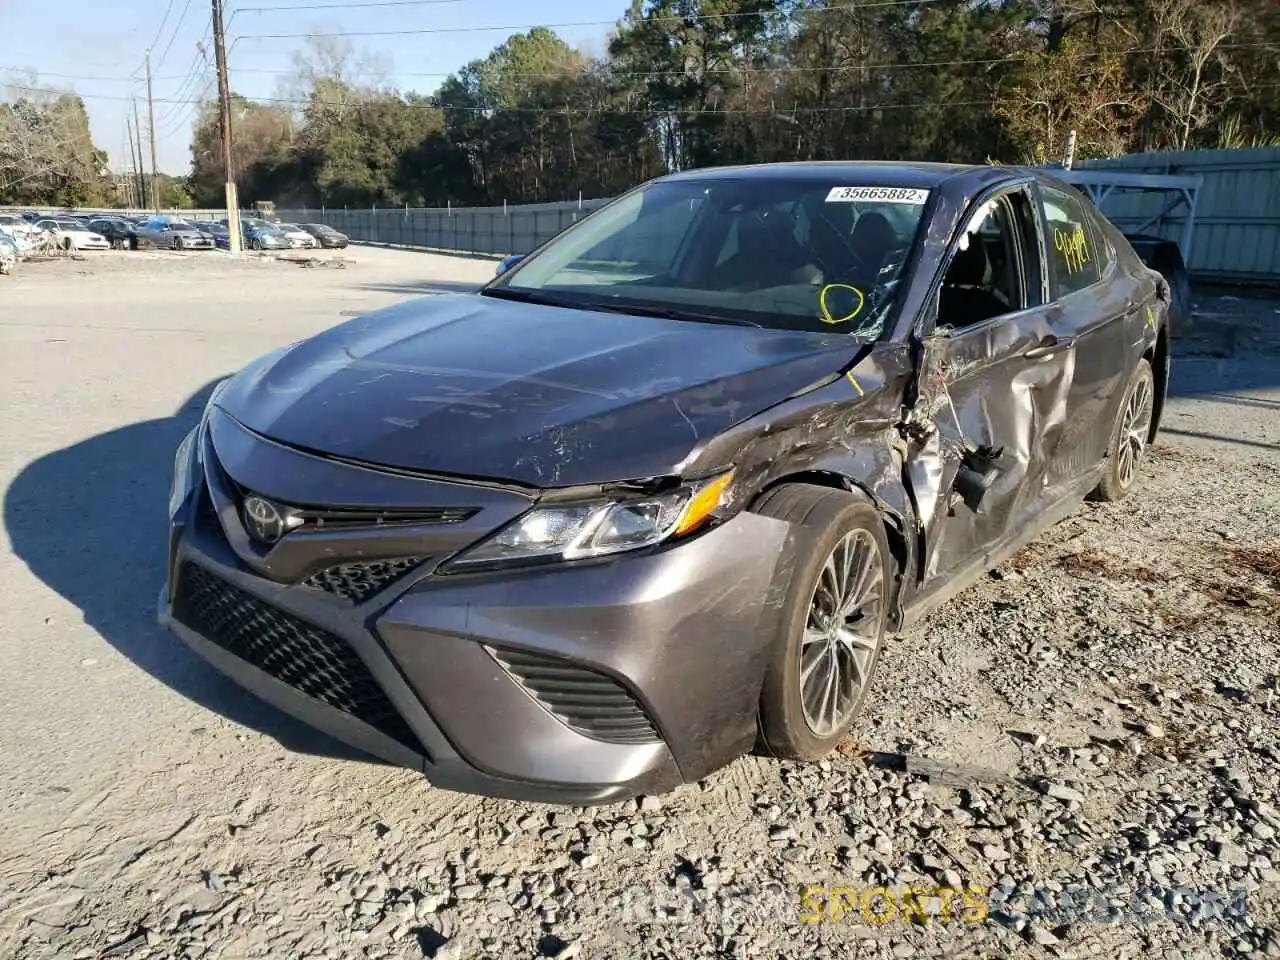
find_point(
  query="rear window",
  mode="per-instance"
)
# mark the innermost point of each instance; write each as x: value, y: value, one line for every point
x: 1072, y: 246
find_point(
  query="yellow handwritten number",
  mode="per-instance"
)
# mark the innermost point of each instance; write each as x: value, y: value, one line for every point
x: 825, y: 310
x: 1073, y: 246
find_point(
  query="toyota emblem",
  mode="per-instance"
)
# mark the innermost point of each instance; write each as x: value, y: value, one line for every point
x: 266, y: 521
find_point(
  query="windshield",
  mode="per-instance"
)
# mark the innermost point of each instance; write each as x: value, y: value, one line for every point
x: 289, y: 227
x: 815, y: 255
x: 71, y: 225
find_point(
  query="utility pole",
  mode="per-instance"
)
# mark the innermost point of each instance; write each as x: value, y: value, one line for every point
x: 224, y: 113
x: 1069, y: 155
x: 137, y: 163
x: 151, y: 124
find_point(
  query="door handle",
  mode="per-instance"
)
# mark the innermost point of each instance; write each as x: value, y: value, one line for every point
x: 1048, y: 347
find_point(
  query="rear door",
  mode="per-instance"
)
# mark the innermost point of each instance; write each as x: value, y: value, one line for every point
x: 995, y: 379
x: 1094, y: 303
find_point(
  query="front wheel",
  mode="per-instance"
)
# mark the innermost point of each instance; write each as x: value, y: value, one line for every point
x: 833, y: 619
x: 1129, y: 436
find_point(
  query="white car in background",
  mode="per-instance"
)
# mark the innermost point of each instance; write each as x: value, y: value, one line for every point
x: 72, y: 234
x: 22, y: 231
x: 296, y: 236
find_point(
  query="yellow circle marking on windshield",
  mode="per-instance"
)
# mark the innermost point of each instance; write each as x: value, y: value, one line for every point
x: 826, y: 311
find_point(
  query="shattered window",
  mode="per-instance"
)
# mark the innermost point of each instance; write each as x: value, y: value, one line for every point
x: 982, y: 279
x: 1070, y: 243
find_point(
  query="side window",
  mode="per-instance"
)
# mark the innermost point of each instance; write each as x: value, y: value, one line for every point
x: 1069, y: 238
x: 984, y: 279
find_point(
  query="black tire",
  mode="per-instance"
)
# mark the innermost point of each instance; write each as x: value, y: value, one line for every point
x: 822, y: 519
x: 1120, y: 475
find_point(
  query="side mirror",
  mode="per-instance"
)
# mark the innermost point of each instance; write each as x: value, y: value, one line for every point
x: 506, y: 263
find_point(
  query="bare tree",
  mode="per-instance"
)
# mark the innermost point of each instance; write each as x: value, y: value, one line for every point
x: 330, y: 74
x: 1195, y: 74
x: 44, y: 141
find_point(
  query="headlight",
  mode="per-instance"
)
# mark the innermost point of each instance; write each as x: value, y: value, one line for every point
x: 573, y: 531
x: 184, y: 457
x: 181, y: 472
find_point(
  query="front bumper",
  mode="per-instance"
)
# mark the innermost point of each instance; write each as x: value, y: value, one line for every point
x: 580, y: 683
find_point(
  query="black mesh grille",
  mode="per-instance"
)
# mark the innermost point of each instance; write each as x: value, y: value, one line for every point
x: 360, y: 581
x: 313, y: 661
x: 589, y: 702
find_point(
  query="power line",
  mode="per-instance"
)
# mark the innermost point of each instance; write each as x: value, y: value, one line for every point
x: 876, y: 4
x: 163, y: 20
x: 859, y: 67
x: 198, y: 69
x: 569, y: 109
x: 726, y: 71
x: 346, y: 5
x: 174, y: 36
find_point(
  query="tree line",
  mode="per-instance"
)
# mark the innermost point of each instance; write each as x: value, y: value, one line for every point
x: 687, y: 83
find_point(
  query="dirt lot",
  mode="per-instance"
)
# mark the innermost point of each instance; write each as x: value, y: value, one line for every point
x: 1090, y: 735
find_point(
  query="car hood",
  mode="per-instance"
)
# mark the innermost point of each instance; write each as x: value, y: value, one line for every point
x: 476, y: 386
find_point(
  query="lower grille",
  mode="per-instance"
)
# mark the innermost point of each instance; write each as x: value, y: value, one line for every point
x: 311, y: 660
x: 360, y: 581
x: 589, y: 702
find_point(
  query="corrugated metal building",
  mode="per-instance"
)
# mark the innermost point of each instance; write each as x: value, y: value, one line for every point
x: 1237, y: 220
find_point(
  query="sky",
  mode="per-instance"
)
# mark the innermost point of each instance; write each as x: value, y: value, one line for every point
x: 97, y: 50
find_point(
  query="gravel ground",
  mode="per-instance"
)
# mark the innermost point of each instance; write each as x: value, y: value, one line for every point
x: 1086, y: 742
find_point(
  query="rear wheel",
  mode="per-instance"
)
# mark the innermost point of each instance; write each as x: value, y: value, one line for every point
x: 833, y: 619
x: 1129, y: 437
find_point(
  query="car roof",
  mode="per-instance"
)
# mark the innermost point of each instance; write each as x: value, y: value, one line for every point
x: 858, y: 173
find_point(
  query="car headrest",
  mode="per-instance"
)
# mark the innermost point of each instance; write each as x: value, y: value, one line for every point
x: 873, y: 236
x: 970, y: 267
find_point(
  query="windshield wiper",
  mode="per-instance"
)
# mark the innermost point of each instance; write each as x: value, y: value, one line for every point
x: 605, y: 306
x: 528, y: 296
x: 669, y: 313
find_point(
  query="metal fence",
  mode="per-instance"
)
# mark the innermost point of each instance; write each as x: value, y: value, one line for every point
x: 1237, y: 217
x: 487, y: 230
x: 1236, y: 236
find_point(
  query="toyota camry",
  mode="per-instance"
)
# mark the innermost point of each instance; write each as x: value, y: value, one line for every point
x: 654, y: 496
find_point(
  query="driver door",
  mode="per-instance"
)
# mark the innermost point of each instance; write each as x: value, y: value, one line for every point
x: 997, y: 380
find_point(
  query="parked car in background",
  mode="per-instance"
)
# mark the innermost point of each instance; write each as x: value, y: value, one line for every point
x: 22, y: 231
x: 120, y: 233
x: 217, y: 231
x: 72, y: 234
x: 298, y: 238
x: 262, y: 236
x: 326, y: 236
x: 173, y: 233
x: 9, y: 253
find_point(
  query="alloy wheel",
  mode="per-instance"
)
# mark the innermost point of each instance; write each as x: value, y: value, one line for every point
x: 842, y: 633
x: 1135, y: 426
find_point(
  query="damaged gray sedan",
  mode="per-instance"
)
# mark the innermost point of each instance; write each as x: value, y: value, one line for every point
x: 655, y: 496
